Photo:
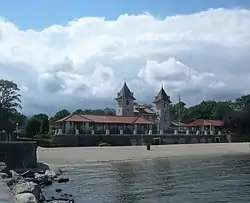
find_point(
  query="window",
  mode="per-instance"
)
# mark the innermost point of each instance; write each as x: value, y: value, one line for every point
x: 127, y: 109
x: 127, y: 102
x: 165, y: 105
x: 70, y: 123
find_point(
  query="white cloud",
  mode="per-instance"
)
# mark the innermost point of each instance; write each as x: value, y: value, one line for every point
x: 204, y: 55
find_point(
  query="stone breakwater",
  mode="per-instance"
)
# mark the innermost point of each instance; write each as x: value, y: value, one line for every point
x: 27, y: 186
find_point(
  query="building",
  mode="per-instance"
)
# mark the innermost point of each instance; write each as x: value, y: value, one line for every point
x: 205, y: 125
x: 131, y: 117
x: 94, y: 124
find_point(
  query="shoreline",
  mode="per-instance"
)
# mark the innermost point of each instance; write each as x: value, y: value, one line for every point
x: 83, y: 155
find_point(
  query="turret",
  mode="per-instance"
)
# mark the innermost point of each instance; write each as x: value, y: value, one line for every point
x: 162, y: 105
x: 125, y: 99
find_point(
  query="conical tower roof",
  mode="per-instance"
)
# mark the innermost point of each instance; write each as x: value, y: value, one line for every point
x: 162, y: 96
x: 125, y: 93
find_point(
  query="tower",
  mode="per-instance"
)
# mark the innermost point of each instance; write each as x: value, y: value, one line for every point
x: 162, y: 105
x: 125, y: 102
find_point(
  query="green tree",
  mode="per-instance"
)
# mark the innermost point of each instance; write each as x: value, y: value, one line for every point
x: 109, y: 111
x: 33, y: 127
x: 60, y: 114
x: 44, y: 122
x: 10, y: 103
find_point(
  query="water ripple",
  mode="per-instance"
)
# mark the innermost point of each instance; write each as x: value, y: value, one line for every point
x: 176, y: 180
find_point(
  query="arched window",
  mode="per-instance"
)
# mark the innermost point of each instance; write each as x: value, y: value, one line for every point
x: 127, y: 102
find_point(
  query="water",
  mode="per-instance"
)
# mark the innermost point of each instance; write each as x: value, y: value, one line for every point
x: 177, y: 180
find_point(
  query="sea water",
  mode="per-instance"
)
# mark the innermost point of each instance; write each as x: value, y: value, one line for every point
x: 191, y: 179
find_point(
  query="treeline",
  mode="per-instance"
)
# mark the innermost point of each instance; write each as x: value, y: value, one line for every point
x: 236, y: 114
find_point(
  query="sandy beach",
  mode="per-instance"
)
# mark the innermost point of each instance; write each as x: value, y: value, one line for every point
x: 81, y: 155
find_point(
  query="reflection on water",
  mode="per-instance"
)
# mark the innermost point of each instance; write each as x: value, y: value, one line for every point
x: 204, y: 179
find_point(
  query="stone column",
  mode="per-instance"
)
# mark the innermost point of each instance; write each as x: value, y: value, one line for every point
x: 92, y: 132
x: 77, y: 132
x: 187, y: 132
x: 107, y: 132
x: 59, y: 131
x: 135, y: 129
x: 229, y: 138
x: 161, y: 132
x: 121, y: 132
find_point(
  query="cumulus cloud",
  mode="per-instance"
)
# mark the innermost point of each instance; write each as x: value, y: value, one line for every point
x: 204, y: 55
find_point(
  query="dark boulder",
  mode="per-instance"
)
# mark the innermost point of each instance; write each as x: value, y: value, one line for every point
x: 58, y: 190
x: 63, y: 180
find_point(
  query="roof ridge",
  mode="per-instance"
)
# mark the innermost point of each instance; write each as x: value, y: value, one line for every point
x: 83, y: 116
x: 136, y: 119
x: 64, y: 118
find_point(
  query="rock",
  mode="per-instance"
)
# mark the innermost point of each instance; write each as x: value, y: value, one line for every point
x: 58, y: 171
x: 3, y: 167
x: 14, y: 173
x: 4, y: 175
x: 11, y: 182
x: 63, y: 180
x: 58, y: 190
x: 26, y: 198
x: 27, y: 187
x: 42, y: 198
x: 48, y: 182
x: 50, y: 174
x: 30, y: 180
x: 28, y: 174
x: 43, y: 179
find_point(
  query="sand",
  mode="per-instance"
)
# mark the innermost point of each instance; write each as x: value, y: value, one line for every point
x: 81, y: 155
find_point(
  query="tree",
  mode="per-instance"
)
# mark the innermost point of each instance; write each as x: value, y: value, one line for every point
x: 109, y: 111
x: 101, y: 112
x: 78, y: 111
x: 44, y: 123
x: 60, y: 114
x: 32, y: 127
x: 9, y: 104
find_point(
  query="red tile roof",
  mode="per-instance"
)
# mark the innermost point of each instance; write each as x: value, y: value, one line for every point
x: 105, y: 119
x: 201, y: 122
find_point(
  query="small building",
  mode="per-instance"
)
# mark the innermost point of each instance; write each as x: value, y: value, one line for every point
x: 86, y: 124
x: 179, y: 125
x: 144, y: 112
x: 203, y: 125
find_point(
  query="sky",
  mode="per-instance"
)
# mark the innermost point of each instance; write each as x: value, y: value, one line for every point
x: 76, y: 54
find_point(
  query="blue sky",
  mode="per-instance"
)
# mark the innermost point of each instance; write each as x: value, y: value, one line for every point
x: 30, y: 14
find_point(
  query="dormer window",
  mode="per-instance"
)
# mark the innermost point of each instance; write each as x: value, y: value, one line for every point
x: 127, y: 102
